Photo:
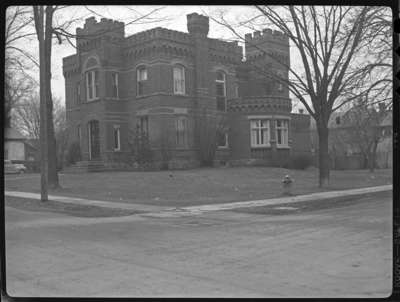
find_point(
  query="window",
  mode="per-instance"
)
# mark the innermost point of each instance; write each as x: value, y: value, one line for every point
x: 144, y: 125
x: 141, y: 78
x: 114, y: 79
x: 179, y: 80
x: 117, y: 138
x: 78, y: 128
x: 78, y: 93
x: 281, y: 129
x: 181, y: 126
x: 220, y: 91
x: 281, y: 76
x: 237, y: 90
x: 259, y: 133
x: 92, y: 85
x: 222, y: 139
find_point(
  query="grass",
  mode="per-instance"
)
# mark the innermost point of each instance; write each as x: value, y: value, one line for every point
x: 315, y: 205
x: 68, y: 209
x: 198, y: 186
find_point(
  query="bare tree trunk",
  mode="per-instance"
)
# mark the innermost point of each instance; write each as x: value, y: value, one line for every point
x: 323, y: 156
x: 38, y: 14
x: 52, y: 148
x: 372, y: 157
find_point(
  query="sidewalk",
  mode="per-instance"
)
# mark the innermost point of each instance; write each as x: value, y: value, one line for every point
x: 88, y: 202
x: 163, y: 211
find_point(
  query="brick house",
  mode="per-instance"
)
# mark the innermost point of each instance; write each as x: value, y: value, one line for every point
x: 162, y: 81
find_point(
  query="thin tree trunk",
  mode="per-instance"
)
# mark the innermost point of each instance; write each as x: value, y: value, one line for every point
x: 38, y: 15
x: 323, y: 156
x: 52, y: 148
x: 372, y: 157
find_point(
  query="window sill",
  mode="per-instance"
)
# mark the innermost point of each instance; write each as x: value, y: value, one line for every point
x: 222, y: 147
x: 117, y: 150
x: 93, y: 100
x: 282, y: 147
x: 261, y: 147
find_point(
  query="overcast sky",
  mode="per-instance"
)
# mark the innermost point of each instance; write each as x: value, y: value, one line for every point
x: 172, y: 17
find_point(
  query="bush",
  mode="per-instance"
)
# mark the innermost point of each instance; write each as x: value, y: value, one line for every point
x: 300, y: 162
x: 73, y: 153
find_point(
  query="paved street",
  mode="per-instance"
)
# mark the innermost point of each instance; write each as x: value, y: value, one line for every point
x: 337, y: 252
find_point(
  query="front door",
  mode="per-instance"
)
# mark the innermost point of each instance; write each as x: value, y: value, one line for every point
x: 94, y: 140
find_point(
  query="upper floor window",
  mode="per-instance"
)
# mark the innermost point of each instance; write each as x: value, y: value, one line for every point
x: 259, y: 133
x: 220, y: 91
x: 92, y: 85
x: 281, y: 129
x: 141, y: 78
x: 179, y: 79
x: 117, y: 138
x: 280, y: 83
x: 114, y: 79
x: 181, y: 131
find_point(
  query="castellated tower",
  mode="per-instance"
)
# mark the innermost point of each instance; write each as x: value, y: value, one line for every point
x: 269, y: 52
x: 94, y: 31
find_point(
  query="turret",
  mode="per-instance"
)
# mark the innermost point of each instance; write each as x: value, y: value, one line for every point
x: 197, y: 24
x: 105, y: 28
x: 258, y: 42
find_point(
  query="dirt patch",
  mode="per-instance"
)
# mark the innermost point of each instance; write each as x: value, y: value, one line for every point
x: 35, y: 205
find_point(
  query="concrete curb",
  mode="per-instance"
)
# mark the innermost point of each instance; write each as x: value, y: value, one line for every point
x: 162, y: 211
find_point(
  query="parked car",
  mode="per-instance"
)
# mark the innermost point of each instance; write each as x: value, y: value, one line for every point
x: 9, y: 167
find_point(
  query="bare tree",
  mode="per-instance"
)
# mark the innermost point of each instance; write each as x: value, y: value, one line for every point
x: 330, y: 41
x: 17, y: 82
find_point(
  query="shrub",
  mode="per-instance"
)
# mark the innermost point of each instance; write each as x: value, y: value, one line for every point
x: 300, y: 162
x: 73, y: 153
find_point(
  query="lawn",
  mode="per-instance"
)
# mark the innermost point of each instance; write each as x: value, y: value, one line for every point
x: 198, y: 186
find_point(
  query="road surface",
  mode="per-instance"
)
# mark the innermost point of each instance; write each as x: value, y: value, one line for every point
x: 336, y: 252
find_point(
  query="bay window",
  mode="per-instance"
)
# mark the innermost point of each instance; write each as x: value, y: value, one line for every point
x: 259, y: 133
x: 281, y: 130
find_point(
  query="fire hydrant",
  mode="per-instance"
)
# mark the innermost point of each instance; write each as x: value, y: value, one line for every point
x: 287, y: 185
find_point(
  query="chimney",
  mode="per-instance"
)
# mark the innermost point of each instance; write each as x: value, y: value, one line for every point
x: 301, y: 111
x: 382, y: 106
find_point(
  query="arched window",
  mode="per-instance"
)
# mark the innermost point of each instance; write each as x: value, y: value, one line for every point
x: 179, y: 79
x: 220, y: 90
x: 92, y: 79
x: 141, y: 78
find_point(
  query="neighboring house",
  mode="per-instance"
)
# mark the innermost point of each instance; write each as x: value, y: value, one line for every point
x: 17, y: 147
x: 162, y: 81
x: 347, y: 155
